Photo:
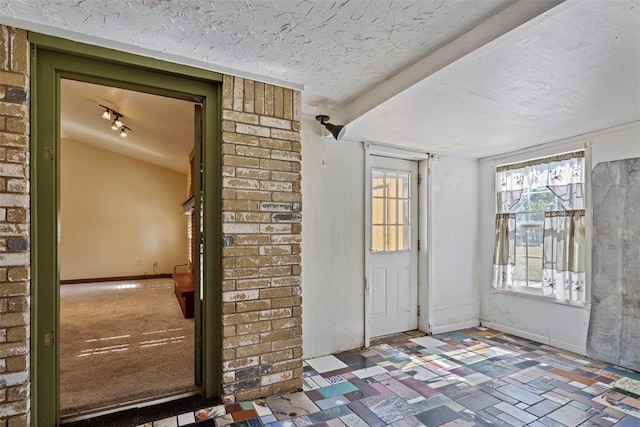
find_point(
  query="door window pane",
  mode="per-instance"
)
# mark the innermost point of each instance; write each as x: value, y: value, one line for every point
x: 392, y: 238
x: 406, y: 238
x: 404, y: 211
x: 392, y: 184
x: 377, y: 184
x: 377, y: 238
x: 404, y: 185
x: 392, y: 211
x: 377, y: 211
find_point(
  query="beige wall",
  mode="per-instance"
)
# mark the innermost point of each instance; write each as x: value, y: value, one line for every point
x: 118, y: 215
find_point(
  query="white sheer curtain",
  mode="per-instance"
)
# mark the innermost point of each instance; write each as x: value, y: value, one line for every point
x: 564, y: 255
x: 504, y: 255
x: 563, y: 230
x: 563, y: 175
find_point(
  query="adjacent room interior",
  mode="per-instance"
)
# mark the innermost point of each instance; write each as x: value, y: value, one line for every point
x: 126, y: 330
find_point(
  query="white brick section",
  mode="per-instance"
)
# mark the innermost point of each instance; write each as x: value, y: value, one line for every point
x: 272, y: 122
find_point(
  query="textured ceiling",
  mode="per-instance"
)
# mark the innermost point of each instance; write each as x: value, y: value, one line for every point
x: 336, y: 49
x: 161, y: 128
x: 572, y: 71
x: 575, y: 71
x: 470, y: 78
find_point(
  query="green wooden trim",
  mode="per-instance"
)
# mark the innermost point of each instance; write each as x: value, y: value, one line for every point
x: 212, y: 191
x: 56, y: 44
x: 44, y: 190
x: 49, y: 67
x: 197, y: 235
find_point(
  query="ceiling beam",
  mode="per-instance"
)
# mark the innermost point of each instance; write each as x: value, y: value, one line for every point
x: 501, y: 23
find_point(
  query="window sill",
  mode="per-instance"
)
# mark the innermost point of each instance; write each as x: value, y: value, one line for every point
x: 523, y: 293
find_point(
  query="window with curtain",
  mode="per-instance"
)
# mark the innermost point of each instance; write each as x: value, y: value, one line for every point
x: 540, y: 228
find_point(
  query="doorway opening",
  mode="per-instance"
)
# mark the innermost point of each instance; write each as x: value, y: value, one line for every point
x: 126, y: 248
x: 53, y: 62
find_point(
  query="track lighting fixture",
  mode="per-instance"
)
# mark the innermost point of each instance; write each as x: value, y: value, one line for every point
x: 336, y: 130
x: 116, y: 123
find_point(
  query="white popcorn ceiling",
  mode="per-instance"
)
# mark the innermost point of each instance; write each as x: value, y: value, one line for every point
x: 336, y: 49
x: 445, y: 76
x: 572, y: 71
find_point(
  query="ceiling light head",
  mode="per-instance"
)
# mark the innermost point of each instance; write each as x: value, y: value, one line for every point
x: 107, y: 112
x: 123, y: 131
x: 118, y: 122
x: 336, y: 130
x: 115, y: 126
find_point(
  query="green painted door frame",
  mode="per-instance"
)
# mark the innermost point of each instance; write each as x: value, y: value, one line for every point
x: 51, y: 60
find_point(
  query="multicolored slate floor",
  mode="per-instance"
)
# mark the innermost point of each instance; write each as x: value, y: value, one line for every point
x: 472, y: 377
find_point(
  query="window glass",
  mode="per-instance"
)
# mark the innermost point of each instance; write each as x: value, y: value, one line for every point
x: 377, y: 238
x: 377, y: 211
x: 404, y: 185
x: 377, y: 183
x: 529, y: 212
x: 390, y: 210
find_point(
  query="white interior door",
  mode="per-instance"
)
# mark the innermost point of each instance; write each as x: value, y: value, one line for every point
x: 393, y: 260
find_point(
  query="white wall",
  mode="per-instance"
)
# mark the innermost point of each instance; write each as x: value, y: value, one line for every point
x: 460, y: 233
x: 333, y: 250
x: 454, y: 243
x: 332, y: 243
x: 118, y: 215
x: 557, y: 324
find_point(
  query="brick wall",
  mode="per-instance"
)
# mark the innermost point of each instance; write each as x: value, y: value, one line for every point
x: 261, y: 209
x: 14, y: 227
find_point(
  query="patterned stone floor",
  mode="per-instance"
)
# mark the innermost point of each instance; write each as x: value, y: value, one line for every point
x: 472, y: 377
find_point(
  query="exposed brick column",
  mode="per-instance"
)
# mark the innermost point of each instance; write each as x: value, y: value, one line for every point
x: 14, y: 227
x: 261, y: 208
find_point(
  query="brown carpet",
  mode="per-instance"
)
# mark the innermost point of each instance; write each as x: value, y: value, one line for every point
x: 122, y: 341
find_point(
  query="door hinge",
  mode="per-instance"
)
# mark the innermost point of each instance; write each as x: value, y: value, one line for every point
x: 49, y: 338
x: 418, y: 311
x: 419, y: 179
x: 418, y: 244
x: 48, y: 152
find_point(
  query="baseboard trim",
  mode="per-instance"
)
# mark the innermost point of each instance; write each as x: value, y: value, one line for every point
x: 114, y: 279
x: 454, y: 327
x: 536, y: 337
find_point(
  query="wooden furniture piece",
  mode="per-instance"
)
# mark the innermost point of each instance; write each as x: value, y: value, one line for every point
x: 184, y: 281
x: 184, y: 292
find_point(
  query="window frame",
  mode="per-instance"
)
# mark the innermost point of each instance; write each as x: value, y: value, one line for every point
x: 409, y: 226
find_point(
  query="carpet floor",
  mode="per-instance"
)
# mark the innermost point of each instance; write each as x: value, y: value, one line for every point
x: 121, y: 342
